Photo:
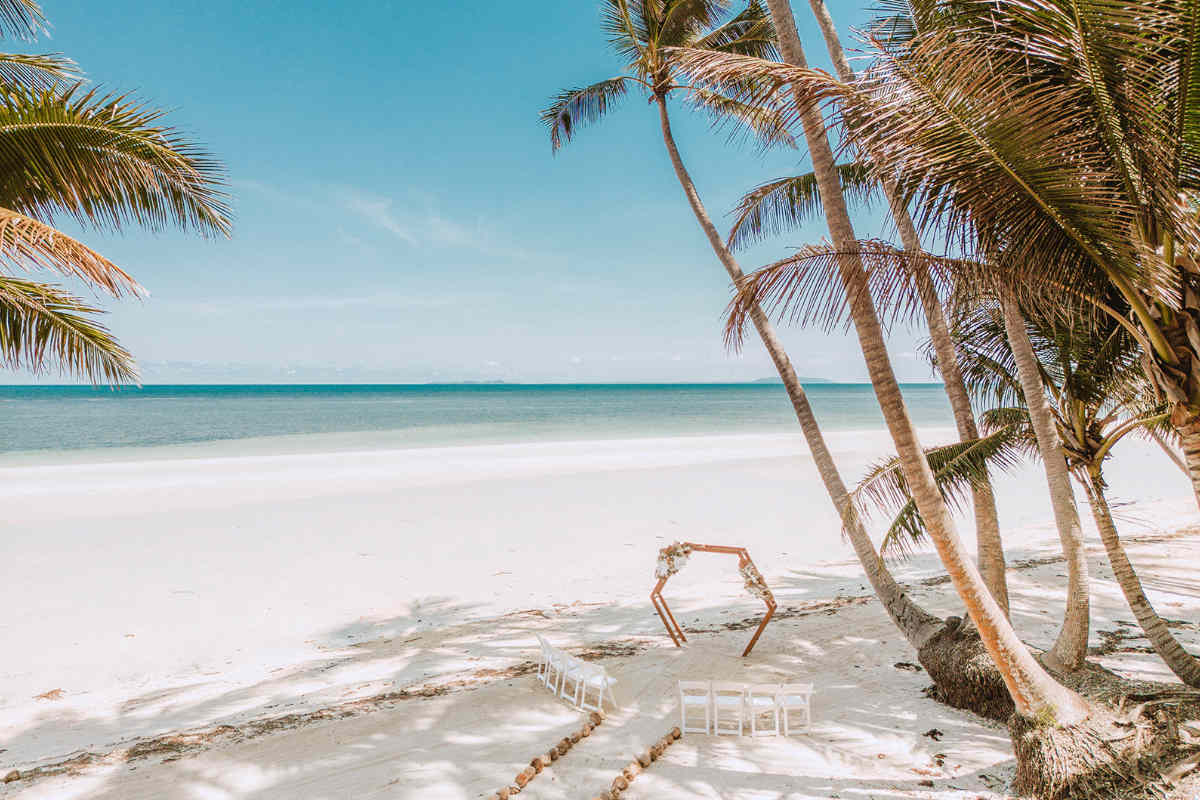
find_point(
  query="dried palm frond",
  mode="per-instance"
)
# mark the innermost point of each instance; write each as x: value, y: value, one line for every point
x: 28, y: 244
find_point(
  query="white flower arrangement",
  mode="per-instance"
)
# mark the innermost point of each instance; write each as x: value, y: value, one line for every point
x: 671, y: 559
x: 754, y: 582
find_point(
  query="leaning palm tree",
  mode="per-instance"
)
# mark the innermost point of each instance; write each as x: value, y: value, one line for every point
x: 1096, y: 394
x: 912, y: 118
x: 777, y: 204
x: 1073, y: 164
x: 105, y: 161
x: 643, y: 35
x: 1035, y: 694
x: 781, y: 204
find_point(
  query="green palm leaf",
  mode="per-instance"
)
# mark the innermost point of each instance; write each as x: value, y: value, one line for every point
x: 956, y: 469
x: 581, y: 106
x: 763, y: 122
x: 805, y: 289
x: 21, y: 18
x: 750, y: 33
x: 1187, y: 112
x: 784, y: 203
x: 107, y: 161
x: 42, y: 327
x: 21, y: 72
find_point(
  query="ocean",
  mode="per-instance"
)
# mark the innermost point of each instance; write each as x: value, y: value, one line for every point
x: 43, y: 419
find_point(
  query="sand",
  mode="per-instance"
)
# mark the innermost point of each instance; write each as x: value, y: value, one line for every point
x: 214, y: 624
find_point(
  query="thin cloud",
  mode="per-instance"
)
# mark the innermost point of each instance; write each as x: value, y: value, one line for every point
x: 378, y: 212
x: 427, y: 228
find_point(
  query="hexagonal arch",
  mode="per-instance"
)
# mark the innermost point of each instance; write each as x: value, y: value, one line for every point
x: 668, y: 556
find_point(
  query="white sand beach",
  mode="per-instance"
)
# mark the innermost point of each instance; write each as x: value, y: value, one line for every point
x: 221, y: 622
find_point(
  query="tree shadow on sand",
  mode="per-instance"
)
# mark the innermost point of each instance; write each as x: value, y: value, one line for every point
x: 462, y: 714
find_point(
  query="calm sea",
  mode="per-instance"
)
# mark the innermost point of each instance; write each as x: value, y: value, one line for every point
x: 61, y: 418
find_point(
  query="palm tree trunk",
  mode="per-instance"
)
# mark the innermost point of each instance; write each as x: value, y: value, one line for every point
x: 1035, y: 694
x: 989, y: 547
x: 916, y: 624
x: 1070, y: 649
x: 1185, y: 666
x: 1189, y: 438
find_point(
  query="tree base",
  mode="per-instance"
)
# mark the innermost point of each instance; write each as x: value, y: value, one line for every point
x: 1142, y: 739
x: 963, y: 673
x: 1106, y: 757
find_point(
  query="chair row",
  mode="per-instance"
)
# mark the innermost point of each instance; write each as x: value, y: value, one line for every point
x: 727, y: 707
x: 581, y: 682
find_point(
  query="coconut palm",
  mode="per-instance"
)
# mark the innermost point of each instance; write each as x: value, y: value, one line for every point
x: 1072, y: 165
x: 1096, y: 395
x: 1035, y: 694
x: 105, y: 161
x: 781, y: 204
x: 643, y: 34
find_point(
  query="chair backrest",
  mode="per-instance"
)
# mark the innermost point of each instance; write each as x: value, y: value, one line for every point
x: 764, y: 689
x: 792, y: 692
x: 728, y: 687
x: 694, y: 687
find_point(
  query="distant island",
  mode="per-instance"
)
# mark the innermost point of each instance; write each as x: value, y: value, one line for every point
x: 802, y: 378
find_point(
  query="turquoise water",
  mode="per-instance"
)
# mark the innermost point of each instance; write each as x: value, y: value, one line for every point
x: 60, y: 418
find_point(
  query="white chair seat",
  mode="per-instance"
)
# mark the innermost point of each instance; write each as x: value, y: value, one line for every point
x: 694, y: 700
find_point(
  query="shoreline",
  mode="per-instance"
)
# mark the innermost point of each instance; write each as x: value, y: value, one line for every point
x: 372, y: 442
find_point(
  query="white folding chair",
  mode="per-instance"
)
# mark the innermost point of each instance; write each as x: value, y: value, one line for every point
x: 543, y: 667
x: 762, y: 704
x: 796, y: 697
x: 573, y: 673
x: 694, y: 696
x: 593, y: 677
x: 729, y: 700
x: 556, y: 667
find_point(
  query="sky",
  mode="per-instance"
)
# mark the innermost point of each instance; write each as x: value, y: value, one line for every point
x: 400, y: 216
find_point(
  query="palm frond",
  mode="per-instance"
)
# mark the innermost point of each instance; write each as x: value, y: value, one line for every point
x: 626, y: 28
x: 784, y: 203
x: 1187, y: 111
x: 29, y: 244
x: 956, y: 469
x: 766, y: 124
x: 749, y: 33
x: 35, y: 72
x: 685, y: 20
x: 580, y: 106
x: 805, y: 289
x: 43, y: 329
x: 107, y: 161
x: 22, y: 19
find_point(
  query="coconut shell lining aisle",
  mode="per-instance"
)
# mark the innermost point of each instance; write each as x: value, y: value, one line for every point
x: 540, y: 762
x: 640, y: 763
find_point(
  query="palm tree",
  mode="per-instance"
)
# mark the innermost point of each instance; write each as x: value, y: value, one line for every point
x: 1070, y: 649
x: 105, y: 161
x: 1035, y: 694
x: 1072, y: 166
x: 785, y: 202
x: 1095, y: 394
x: 643, y: 34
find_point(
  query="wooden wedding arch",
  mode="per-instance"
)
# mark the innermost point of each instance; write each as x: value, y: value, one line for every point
x: 667, y: 560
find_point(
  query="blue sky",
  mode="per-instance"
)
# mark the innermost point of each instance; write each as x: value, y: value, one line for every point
x: 400, y: 216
